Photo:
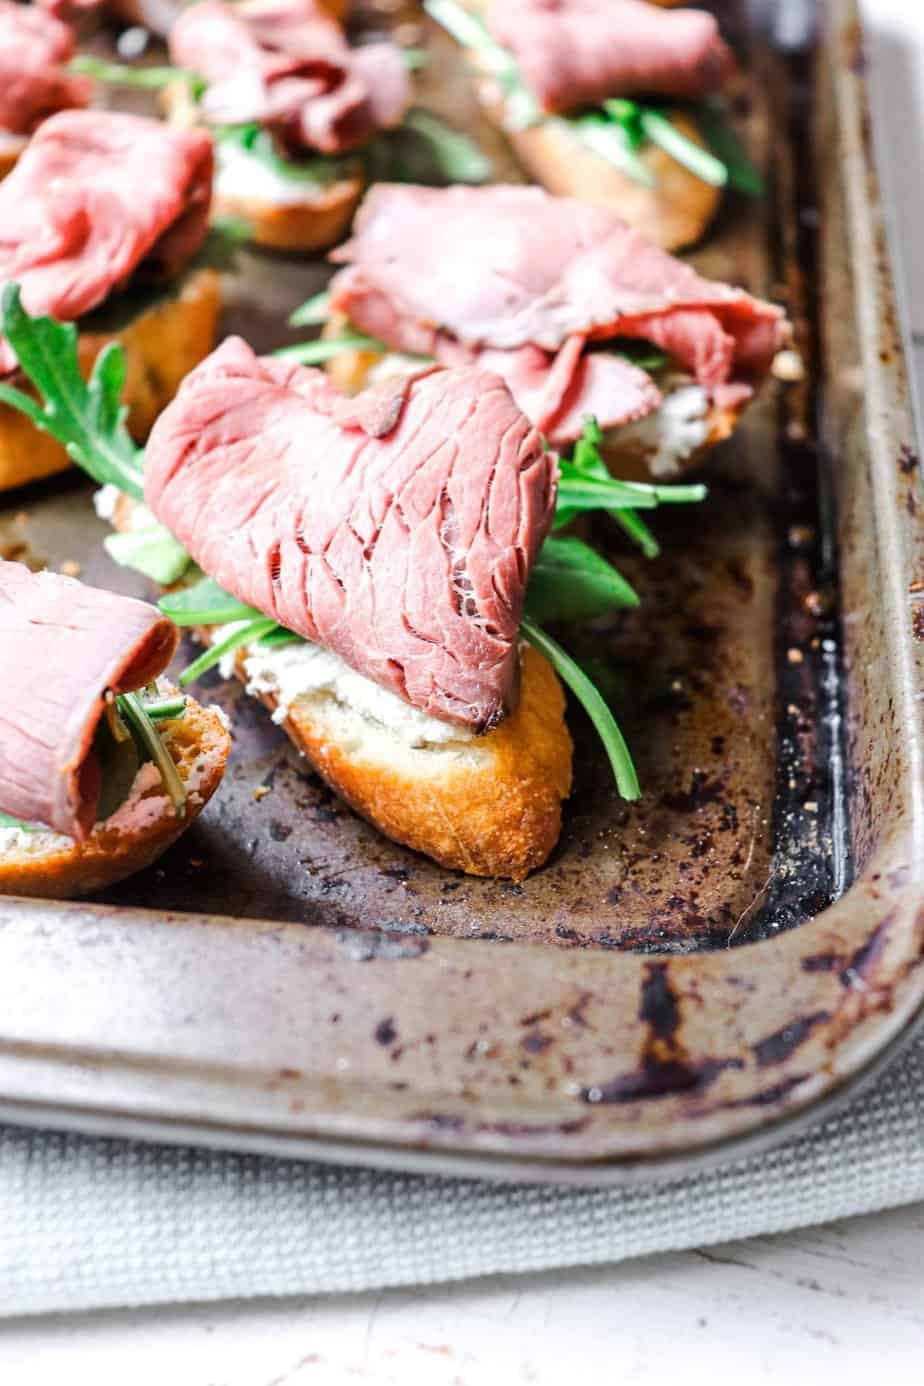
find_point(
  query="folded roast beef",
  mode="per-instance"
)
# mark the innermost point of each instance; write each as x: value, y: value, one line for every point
x: 96, y: 198
x: 62, y: 646
x: 33, y: 82
x: 574, y: 53
x: 286, y: 65
x: 397, y: 529
x: 525, y: 284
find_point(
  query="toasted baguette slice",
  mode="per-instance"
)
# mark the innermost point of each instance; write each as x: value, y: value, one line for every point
x: 56, y: 868
x: 300, y: 220
x: 632, y: 453
x: 162, y: 345
x: 489, y: 805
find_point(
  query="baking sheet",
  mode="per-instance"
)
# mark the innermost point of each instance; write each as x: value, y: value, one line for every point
x: 287, y: 975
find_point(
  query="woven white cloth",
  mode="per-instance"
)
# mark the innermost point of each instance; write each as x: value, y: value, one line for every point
x: 88, y: 1223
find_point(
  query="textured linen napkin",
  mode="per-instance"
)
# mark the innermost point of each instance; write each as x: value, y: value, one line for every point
x: 87, y: 1223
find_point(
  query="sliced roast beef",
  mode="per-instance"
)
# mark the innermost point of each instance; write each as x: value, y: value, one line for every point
x: 286, y: 65
x: 62, y: 647
x: 524, y: 281
x: 574, y: 53
x: 397, y: 529
x: 96, y: 198
x: 33, y: 84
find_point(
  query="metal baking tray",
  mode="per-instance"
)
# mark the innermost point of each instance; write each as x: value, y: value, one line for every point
x: 685, y: 976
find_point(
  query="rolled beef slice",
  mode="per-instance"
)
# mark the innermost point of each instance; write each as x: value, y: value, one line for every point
x: 62, y: 646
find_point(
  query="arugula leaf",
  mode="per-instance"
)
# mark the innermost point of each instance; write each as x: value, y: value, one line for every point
x: 122, y: 75
x: 447, y: 154
x: 86, y: 416
x: 7, y: 822
x: 323, y: 348
x: 205, y: 604
x: 165, y: 709
x: 612, y: 141
x: 132, y: 711
x: 590, y: 699
x: 570, y: 581
x: 714, y: 122
x: 587, y: 485
x: 245, y: 633
x: 149, y: 548
x: 313, y: 311
x: 687, y: 152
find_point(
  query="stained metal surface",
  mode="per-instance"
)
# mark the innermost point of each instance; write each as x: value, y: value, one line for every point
x: 684, y: 971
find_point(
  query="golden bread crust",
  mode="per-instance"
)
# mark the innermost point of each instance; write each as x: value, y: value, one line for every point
x: 198, y: 744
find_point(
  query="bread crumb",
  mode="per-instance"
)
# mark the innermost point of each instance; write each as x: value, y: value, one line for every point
x: 70, y: 568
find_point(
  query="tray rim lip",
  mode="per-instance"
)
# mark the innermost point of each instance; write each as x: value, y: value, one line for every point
x: 765, y: 1130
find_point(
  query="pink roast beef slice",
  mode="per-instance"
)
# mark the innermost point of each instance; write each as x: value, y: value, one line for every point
x: 62, y: 645
x: 33, y: 84
x: 286, y: 65
x: 518, y: 268
x: 574, y: 53
x: 95, y: 197
x: 397, y: 529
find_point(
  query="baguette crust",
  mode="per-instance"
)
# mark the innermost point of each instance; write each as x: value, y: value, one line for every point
x: 162, y: 345
x: 627, y: 456
x: 199, y: 746
x: 488, y: 807
x: 321, y: 221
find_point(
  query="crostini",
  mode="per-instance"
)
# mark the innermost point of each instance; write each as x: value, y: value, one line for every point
x: 103, y: 219
x: 578, y: 312
x: 35, y: 49
x: 292, y: 105
x: 102, y: 764
x: 572, y: 84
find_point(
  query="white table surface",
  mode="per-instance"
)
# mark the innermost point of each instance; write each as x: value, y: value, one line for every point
x: 824, y: 1305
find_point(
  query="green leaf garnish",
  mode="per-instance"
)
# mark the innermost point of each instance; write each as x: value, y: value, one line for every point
x: 132, y: 711
x: 205, y: 604
x: 570, y: 581
x: 148, y: 548
x: 86, y: 416
x: 714, y: 122
x: 324, y: 348
x: 590, y: 699
x: 687, y: 152
x: 165, y: 709
x: 312, y: 312
x: 122, y: 75
x: 247, y: 633
x: 455, y: 157
x: 612, y: 141
x: 7, y: 822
